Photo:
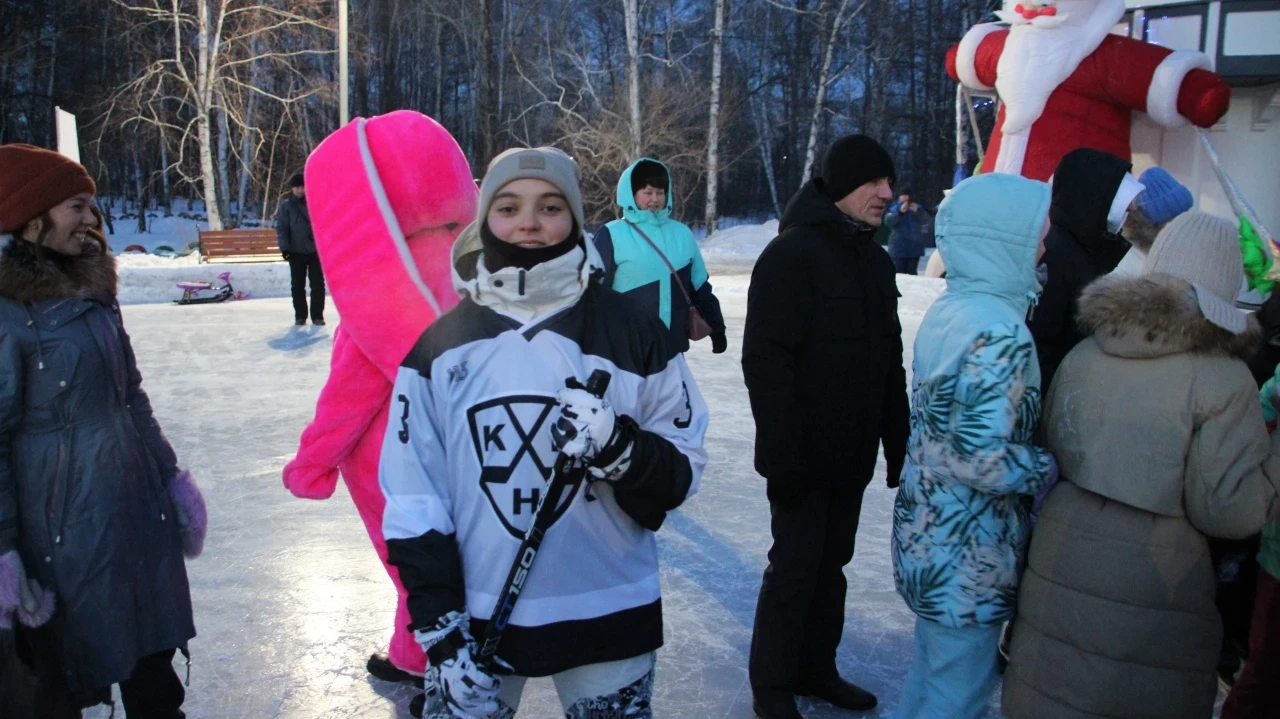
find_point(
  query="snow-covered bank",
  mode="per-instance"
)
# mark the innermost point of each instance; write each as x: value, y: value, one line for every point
x: 739, y: 245
x: 157, y: 282
x: 146, y: 278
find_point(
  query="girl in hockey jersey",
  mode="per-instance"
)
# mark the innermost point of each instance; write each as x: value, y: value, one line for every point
x: 469, y: 451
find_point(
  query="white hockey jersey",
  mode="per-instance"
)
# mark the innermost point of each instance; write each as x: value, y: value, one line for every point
x: 468, y: 452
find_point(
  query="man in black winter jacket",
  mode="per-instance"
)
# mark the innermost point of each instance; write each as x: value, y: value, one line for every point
x: 1092, y: 191
x: 298, y: 246
x: 822, y: 357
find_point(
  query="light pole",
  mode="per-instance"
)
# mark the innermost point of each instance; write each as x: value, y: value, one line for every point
x: 344, y: 105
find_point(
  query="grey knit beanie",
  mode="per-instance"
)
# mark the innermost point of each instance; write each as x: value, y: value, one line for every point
x: 539, y: 163
x: 1203, y: 250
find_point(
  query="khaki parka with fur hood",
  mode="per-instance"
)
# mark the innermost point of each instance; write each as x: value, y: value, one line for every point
x: 1155, y: 422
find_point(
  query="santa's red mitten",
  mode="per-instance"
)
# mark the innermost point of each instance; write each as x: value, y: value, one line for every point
x: 21, y: 596
x: 193, y: 517
x: 308, y: 481
x: 1203, y: 98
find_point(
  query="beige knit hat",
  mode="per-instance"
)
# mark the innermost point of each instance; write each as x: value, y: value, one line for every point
x: 539, y: 163
x: 1203, y: 250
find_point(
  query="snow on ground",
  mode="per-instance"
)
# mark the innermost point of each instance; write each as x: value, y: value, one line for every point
x: 173, y: 232
x: 156, y: 282
x: 147, y: 278
x: 739, y: 245
x: 290, y: 599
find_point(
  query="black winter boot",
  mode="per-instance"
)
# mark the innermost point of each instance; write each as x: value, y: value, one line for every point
x: 775, y: 706
x: 842, y: 694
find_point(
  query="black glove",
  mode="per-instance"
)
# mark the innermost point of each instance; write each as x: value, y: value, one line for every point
x: 893, y: 473
x: 285, y: 254
x: 719, y: 343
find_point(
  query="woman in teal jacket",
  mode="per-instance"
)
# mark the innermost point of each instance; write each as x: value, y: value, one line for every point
x: 634, y: 268
x: 959, y: 528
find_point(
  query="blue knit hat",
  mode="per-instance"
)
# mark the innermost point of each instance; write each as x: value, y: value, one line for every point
x: 1165, y: 198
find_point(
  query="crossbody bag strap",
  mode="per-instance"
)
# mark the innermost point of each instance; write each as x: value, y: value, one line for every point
x: 675, y: 275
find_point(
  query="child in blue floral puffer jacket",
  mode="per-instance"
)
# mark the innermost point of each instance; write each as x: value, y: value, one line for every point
x: 959, y: 527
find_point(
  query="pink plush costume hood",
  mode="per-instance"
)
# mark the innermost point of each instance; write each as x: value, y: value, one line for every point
x: 387, y: 197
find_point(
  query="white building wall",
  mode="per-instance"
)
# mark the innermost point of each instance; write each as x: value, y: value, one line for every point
x: 1251, y: 157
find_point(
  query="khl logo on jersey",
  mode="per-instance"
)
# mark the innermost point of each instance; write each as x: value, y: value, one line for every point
x: 512, y: 440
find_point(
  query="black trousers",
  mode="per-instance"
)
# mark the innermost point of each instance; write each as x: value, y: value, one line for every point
x: 152, y: 691
x: 800, y: 612
x: 907, y: 265
x: 304, y: 268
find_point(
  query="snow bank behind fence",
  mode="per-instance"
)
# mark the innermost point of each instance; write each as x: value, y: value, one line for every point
x: 157, y: 282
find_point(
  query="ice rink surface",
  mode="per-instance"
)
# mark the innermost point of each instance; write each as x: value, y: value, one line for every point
x: 290, y: 599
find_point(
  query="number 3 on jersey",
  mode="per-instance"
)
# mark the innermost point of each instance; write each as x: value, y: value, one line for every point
x: 404, y: 419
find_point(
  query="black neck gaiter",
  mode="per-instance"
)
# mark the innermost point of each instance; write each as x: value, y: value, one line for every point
x: 500, y: 255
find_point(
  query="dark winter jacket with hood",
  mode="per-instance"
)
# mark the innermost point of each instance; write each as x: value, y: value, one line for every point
x: 1078, y: 249
x: 84, y: 468
x: 632, y: 267
x: 293, y: 227
x: 822, y: 352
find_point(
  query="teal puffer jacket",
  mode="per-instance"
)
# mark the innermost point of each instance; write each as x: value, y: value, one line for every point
x: 633, y: 268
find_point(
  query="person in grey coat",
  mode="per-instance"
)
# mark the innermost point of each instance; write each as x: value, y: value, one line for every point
x: 298, y: 246
x: 95, y: 514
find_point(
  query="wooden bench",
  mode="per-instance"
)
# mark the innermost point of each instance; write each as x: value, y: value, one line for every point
x: 239, y: 246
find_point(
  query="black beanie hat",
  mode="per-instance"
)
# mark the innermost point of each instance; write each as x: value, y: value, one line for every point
x: 649, y: 173
x: 297, y: 180
x: 851, y: 162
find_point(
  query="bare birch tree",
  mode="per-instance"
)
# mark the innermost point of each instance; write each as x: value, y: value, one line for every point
x: 633, y: 73
x: 838, y: 23
x: 713, y: 126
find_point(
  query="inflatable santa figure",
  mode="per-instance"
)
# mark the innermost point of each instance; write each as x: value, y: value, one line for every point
x: 1065, y: 82
x: 387, y: 197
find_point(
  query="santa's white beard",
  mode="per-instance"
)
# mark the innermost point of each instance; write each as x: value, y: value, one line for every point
x: 1035, y: 61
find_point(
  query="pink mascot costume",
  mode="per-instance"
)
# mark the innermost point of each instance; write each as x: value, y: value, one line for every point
x: 387, y: 197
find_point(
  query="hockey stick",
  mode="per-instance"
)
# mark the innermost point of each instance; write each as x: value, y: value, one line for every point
x: 597, y: 383
x: 543, y: 515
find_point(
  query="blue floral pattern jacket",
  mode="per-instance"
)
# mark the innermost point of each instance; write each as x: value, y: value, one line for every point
x: 960, y: 526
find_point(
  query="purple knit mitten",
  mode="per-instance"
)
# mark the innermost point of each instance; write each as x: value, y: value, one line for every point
x: 21, y: 597
x: 193, y: 518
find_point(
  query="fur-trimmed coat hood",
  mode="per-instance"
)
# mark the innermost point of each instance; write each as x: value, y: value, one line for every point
x: 27, y: 276
x: 1155, y: 421
x: 1154, y: 316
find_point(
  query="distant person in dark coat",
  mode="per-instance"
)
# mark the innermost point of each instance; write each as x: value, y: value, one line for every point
x: 910, y: 224
x: 822, y: 358
x: 95, y: 514
x: 298, y: 245
x: 1092, y: 192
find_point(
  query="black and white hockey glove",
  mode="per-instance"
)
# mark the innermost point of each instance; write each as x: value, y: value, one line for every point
x: 468, y: 691
x: 588, y: 429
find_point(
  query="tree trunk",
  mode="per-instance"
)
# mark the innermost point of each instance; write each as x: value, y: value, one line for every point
x: 248, y: 154
x: 486, y: 100
x: 204, y: 133
x: 224, y: 170
x: 139, y: 189
x: 819, y: 101
x: 439, y: 45
x: 713, y: 127
x: 765, y: 132
x: 167, y: 200
x: 633, y: 74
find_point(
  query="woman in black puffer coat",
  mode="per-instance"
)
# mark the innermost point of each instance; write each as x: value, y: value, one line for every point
x: 95, y: 515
